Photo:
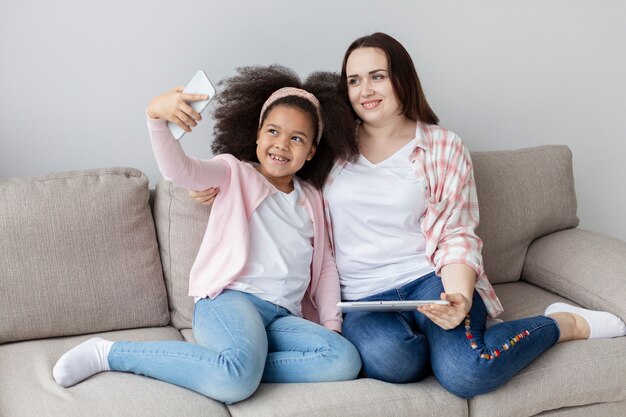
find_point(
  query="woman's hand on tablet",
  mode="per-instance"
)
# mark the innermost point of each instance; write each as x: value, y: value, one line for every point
x: 450, y: 316
x: 173, y: 106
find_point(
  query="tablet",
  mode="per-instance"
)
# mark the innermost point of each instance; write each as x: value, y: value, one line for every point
x: 405, y: 305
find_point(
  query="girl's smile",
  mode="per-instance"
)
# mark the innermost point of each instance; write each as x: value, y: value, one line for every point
x: 278, y: 160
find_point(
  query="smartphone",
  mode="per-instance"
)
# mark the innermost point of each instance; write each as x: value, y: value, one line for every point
x: 199, y: 84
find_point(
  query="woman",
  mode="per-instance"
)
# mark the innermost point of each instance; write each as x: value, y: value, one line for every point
x: 402, y: 220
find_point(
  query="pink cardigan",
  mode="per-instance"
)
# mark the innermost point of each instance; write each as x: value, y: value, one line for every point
x: 225, y: 245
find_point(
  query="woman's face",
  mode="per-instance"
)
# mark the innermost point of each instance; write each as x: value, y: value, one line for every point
x: 369, y: 87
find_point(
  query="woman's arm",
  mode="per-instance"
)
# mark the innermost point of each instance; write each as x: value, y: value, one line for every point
x: 458, y: 283
x: 204, y: 197
x: 457, y: 255
x: 459, y: 279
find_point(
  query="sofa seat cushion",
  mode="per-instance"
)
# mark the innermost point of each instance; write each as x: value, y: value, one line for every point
x: 27, y: 388
x: 570, y: 374
x: 521, y: 299
x: 592, y: 410
x: 78, y: 254
x: 362, y: 397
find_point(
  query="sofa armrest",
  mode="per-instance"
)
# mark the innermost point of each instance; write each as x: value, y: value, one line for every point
x: 586, y: 267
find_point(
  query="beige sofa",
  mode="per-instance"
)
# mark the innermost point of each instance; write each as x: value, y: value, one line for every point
x: 95, y: 252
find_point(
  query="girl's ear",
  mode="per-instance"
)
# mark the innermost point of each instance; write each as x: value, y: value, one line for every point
x: 311, y: 152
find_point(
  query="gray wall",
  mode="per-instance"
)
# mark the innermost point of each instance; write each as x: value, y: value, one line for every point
x: 76, y: 75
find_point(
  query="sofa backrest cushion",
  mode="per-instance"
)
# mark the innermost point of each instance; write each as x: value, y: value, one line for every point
x: 78, y: 254
x: 180, y: 224
x: 523, y: 195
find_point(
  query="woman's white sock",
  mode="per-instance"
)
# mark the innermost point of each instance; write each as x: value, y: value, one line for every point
x: 82, y: 361
x: 602, y: 324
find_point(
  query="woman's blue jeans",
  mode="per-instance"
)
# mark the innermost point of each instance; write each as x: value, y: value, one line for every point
x: 468, y: 360
x: 241, y: 341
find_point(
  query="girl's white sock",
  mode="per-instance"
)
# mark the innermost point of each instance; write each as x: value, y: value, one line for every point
x: 82, y: 361
x: 602, y: 324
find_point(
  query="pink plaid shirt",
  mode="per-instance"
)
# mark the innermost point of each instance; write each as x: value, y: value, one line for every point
x: 441, y: 159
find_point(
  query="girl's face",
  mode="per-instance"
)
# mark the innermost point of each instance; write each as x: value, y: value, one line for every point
x: 369, y: 87
x: 284, y: 143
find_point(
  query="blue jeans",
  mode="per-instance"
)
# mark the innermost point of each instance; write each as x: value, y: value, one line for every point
x: 468, y: 360
x: 241, y: 341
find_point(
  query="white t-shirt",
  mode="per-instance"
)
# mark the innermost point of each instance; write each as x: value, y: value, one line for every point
x: 278, y: 268
x: 376, y: 211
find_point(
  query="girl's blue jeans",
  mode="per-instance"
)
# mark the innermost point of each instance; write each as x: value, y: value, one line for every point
x: 468, y: 360
x: 241, y: 341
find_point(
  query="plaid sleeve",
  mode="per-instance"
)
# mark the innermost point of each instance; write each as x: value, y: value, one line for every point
x: 452, y: 214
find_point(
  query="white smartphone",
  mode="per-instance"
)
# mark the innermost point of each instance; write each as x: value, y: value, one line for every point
x: 199, y: 84
x: 406, y: 305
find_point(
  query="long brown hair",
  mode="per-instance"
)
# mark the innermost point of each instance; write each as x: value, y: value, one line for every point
x: 404, y: 79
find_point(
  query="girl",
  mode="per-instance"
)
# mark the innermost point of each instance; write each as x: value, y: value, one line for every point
x: 265, y: 258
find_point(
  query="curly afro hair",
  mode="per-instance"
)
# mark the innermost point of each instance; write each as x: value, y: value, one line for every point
x: 239, y: 103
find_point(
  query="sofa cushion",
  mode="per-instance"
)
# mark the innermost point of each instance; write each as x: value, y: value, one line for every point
x: 363, y: 397
x: 523, y: 195
x: 615, y: 409
x: 27, y: 388
x: 180, y: 224
x: 570, y: 374
x: 78, y: 254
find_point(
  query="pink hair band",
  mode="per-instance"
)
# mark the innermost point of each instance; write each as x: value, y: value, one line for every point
x: 298, y: 92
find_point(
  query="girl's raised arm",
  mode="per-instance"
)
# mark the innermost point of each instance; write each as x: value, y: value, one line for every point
x: 173, y: 163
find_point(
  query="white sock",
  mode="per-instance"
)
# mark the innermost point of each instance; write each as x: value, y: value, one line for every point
x: 82, y: 361
x: 602, y: 324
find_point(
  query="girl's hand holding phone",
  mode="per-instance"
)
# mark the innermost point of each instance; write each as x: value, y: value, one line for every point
x: 173, y: 106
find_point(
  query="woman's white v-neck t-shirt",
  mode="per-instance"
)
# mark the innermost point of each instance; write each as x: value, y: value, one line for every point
x: 375, y: 211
